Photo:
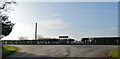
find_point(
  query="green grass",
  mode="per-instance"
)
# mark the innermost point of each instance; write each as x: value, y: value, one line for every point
x: 115, y: 53
x: 7, y: 50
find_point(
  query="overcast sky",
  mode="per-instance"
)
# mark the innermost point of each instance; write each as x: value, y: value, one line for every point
x: 76, y: 19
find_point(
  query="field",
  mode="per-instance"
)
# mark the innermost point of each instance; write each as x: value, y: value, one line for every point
x: 63, y: 50
x: 60, y: 51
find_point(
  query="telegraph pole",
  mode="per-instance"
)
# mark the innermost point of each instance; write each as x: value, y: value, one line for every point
x: 35, y: 31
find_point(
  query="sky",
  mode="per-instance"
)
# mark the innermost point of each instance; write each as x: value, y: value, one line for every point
x: 67, y: 0
x: 75, y: 19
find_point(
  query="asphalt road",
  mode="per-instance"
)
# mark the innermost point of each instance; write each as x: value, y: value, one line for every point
x: 63, y: 50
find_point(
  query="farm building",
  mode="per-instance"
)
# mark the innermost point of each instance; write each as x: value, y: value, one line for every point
x: 102, y: 40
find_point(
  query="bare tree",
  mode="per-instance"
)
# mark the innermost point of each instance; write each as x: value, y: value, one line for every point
x: 40, y: 37
x: 23, y: 38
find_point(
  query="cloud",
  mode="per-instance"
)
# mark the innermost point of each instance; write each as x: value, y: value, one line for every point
x: 54, y: 24
x: 55, y: 14
x: 114, y: 28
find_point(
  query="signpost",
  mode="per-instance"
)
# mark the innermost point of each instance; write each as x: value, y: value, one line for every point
x: 63, y: 36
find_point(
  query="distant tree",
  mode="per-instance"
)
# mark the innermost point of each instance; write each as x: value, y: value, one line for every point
x: 23, y: 38
x: 71, y: 40
x: 40, y: 37
x: 5, y: 9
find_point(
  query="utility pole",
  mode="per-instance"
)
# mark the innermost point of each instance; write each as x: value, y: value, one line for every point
x: 35, y: 31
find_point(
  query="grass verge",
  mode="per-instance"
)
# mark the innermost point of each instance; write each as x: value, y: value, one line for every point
x: 114, y: 53
x: 7, y: 50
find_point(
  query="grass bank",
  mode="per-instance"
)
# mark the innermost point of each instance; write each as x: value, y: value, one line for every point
x: 114, y: 53
x: 7, y: 50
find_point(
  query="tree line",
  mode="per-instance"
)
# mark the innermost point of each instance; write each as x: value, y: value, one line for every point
x: 40, y: 41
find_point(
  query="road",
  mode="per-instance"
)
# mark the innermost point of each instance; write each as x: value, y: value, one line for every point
x: 63, y: 50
